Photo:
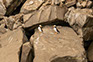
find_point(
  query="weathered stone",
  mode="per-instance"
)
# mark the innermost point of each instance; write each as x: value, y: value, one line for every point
x: 48, y: 15
x: 31, y: 5
x: 90, y: 52
x: 10, y: 22
x: 65, y: 46
x: 70, y: 2
x: 12, y: 4
x: 2, y: 8
x: 82, y: 22
x: 13, y: 22
x: 11, y: 43
x: 2, y: 30
x: 84, y: 3
x: 27, y: 52
x: 78, y: 5
x: 26, y: 17
x: 89, y: 4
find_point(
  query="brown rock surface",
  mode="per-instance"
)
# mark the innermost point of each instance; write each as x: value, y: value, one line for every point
x: 48, y: 15
x: 70, y: 3
x: 2, y: 8
x: 82, y: 21
x: 13, y: 22
x: 12, y: 4
x: 90, y: 52
x: 31, y: 5
x: 11, y: 43
x: 27, y: 52
x: 2, y: 30
x: 65, y: 46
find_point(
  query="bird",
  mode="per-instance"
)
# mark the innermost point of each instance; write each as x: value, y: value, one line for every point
x: 40, y: 28
x: 55, y: 29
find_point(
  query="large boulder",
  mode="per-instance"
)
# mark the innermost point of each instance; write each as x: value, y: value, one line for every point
x: 90, y: 52
x: 65, y: 46
x: 10, y: 45
x: 82, y: 22
x: 45, y: 16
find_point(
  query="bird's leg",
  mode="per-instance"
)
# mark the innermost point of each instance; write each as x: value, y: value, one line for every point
x: 40, y: 32
x: 56, y: 32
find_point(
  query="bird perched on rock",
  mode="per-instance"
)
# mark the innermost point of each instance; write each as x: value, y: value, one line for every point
x: 40, y: 28
x: 55, y: 29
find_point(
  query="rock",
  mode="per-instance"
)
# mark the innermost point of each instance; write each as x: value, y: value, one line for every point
x: 13, y: 22
x: 2, y: 30
x: 82, y: 21
x: 84, y: 3
x: 65, y: 46
x: 89, y: 4
x: 90, y: 52
x: 31, y: 5
x: 2, y: 9
x: 70, y: 3
x: 46, y: 16
x: 55, y: 2
x: 10, y: 22
x: 12, y: 4
x: 11, y: 43
x: 27, y: 52
x: 78, y: 5
x: 26, y: 17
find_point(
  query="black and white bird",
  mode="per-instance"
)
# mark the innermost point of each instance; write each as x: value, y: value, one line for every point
x: 55, y: 29
x: 40, y: 28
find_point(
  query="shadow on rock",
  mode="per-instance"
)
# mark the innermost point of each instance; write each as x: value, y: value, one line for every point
x: 65, y: 59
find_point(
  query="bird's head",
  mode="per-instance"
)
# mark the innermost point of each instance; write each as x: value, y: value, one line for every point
x: 54, y: 26
x: 40, y: 25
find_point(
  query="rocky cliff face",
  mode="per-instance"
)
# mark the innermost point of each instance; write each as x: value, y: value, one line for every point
x: 46, y: 30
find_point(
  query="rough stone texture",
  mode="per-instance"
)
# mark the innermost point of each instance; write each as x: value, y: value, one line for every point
x: 31, y: 5
x: 47, y: 15
x: 90, y: 52
x: 11, y: 43
x: 2, y: 8
x: 84, y: 3
x: 89, y: 4
x: 27, y: 52
x: 63, y: 47
x: 82, y: 22
x: 70, y: 2
x: 2, y: 30
x: 13, y: 22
